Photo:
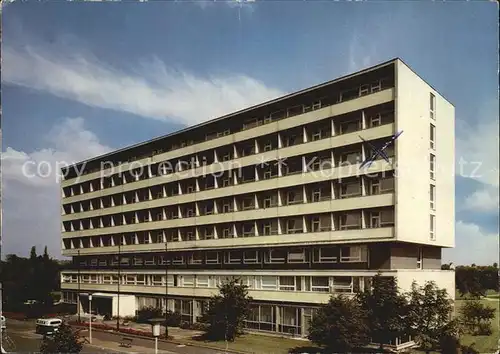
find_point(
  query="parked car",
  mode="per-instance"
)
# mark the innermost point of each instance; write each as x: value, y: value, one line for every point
x: 3, y: 323
x: 47, y: 326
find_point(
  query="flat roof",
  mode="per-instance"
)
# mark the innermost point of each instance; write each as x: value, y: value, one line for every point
x: 276, y: 100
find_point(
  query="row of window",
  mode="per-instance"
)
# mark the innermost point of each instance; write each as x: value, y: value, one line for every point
x: 332, y: 254
x: 195, y: 181
x: 432, y: 188
x: 329, y: 284
x: 311, y: 193
x: 325, y: 222
x: 227, y: 127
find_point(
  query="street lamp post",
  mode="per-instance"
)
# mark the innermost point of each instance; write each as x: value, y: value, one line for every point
x: 119, y: 281
x: 78, y: 300
x: 90, y: 321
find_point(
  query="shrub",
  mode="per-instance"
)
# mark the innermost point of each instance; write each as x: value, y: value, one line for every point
x: 484, y: 329
x: 450, y: 345
x: 469, y: 349
x: 147, y: 313
x: 199, y: 326
x: 185, y: 325
x: 173, y: 319
x: 477, y: 317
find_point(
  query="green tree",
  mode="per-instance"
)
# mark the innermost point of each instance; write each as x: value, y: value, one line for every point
x: 386, y: 308
x: 429, y: 315
x: 477, y: 317
x: 65, y: 340
x: 340, y: 325
x: 227, y: 311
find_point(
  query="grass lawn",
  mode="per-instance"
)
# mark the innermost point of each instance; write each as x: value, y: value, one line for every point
x: 262, y: 344
x: 484, y: 344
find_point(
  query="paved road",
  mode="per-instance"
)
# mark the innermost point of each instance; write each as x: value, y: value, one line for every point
x: 26, y: 340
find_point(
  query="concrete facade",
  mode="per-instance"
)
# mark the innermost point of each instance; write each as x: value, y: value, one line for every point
x: 274, y: 196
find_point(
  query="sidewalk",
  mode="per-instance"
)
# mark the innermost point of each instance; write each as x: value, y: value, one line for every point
x: 111, y: 342
x: 115, y: 347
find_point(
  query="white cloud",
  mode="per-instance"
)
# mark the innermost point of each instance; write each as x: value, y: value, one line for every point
x: 482, y: 200
x: 153, y: 91
x: 473, y: 245
x: 477, y: 151
x: 31, y: 204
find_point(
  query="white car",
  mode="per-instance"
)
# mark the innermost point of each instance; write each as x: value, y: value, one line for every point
x: 3, y: 323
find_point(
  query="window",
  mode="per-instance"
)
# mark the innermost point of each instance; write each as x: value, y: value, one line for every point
x: 316, y: 135
x: 364, y: 90
x: 188, y: 280
x: 190, y: 236
x: 296, y: 256
x: 420, y: 256
x: 196, y: 258
x: 294, y: 226
x: 287, y: 283
x: 320, y: 284
x: 212, y: 258
x: 432, y: 196
x: 376, y: 86
x: 432, y: 106
x: 209, y: 233
x: 316, y: 195
x: 277, y: 256
x: 248, y: 203
x: 190, y: 212
x: 433, y: 227
x: 248, y: 230
x: 375, y: 120
x: 326, y: 255
x: 267, y: 229
x: 383, y: 218
x: 268, y: 282
x: 251, y: 257
x: 315, y: 224
x: 226, y: 182
x: 293, y: 197
x: 227, y: 232
x: 350, y: 126
x: 353, y: 254
x: 209, y: 209
x: 350, y: 189
x: 268, y: 146
x: 432, y: 166
x: 141, y: 279
x: 178, y: 260
x: 432, y: 136
x: 233, y: 258
x: 202, y: 281
x: 353, y: 157
x: 157, y: 280
x: 342, y: 284
x: 267, y: 202
x: 226, y: 208
x: 349, y: 221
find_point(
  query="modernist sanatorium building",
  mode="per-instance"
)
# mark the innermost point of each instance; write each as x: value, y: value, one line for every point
x: 273, y: 195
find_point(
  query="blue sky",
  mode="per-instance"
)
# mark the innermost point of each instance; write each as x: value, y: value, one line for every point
x: 80, y: 79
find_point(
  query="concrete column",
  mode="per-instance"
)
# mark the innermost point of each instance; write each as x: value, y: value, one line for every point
x: 302, y: 323
x: 277, y: 317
